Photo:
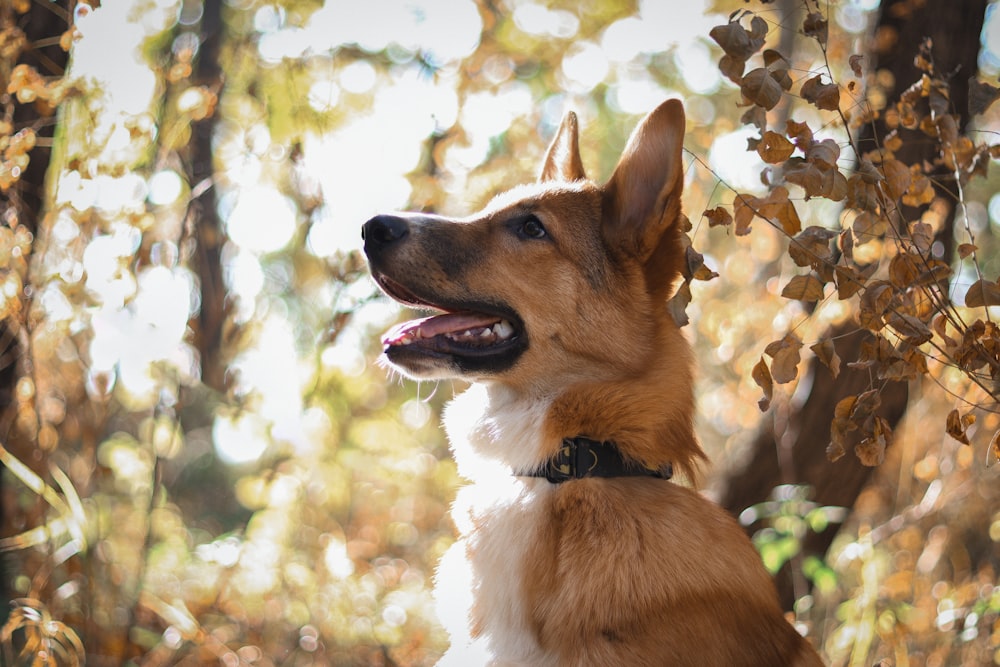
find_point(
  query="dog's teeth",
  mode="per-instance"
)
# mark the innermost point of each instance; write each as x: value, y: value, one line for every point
x: 503, y: 329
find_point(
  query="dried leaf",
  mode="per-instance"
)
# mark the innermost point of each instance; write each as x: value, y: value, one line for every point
x: 803, y: 288
x: 800, y: 134
x: 827, y: 355
x: 778, y: 66
x: 904, y: 270
x: 816, y: 26
x: 897, y: 177
x: 754, y: 115
x: 718, y: 216
x: 696, y: 267
x: 841, y: 428
x: 732, y: 68
x: 922, y: 236
x: 915, y: 331
x: 744, y: 208
x: 868, y: 226
x: 871, y: 450
x: 966, y: 249
x: 811, y: 247
x: 921, y: 190
x: 957, y: 425
x: 762, y: 376
x: 983, y: 293
x: 760, y: 88
x: 850, y: 279
x: 940, y: 325
x: 738, y: 43
x: 678, y: 303
x: 774, y: 148
x: 785, y: 355
x: 824, y: 95
x: 855, y: 63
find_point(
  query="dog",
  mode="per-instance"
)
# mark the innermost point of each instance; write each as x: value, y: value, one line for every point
x: 574, y: 547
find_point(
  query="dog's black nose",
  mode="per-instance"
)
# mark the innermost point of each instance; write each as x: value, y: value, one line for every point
x: 383, y: 230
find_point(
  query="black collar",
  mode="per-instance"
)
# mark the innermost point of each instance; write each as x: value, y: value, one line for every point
x: 582, y: 457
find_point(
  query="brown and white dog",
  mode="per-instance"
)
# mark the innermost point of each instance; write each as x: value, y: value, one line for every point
x: 573, y: 547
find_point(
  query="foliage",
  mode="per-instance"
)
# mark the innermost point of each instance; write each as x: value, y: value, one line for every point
x: 291, y: 509
x: 900, y: 287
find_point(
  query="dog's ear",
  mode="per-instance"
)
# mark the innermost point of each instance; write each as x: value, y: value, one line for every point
x: 642, y: 199
x: 562, y: 161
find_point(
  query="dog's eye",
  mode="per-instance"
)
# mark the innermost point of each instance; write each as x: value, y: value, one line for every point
x: 532, y: 228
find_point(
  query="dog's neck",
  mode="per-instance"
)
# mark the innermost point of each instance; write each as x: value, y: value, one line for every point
x: 492, y: 425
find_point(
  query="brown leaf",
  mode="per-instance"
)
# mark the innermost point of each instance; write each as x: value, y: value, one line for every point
x: 815, y: 26
x: 811, y: 247
x: 774, y: 148
x: 874, y: 302
x: 760, y: 88
x: 744, y: 208
x: 841, y: 428
x: 847, y: 244
x: 718, y: 216
x: 921, y: 190
x: 871, y: 450
x: 785, y: 353
x: 897, y: 177
x: 732, y: 68
x: 824, y: 95
x: 678, y: 303
x: 778, y: 67
x: 754, y: 115
x: 966, y: 249
x: 736, y: 41
x: 855, y: 63
x: 922, y: 235
x: 904, y: 270
x: 850, y: 280
x: 800, y: 134
x: 827, y: 355
x: 762, y: 376
x: 983, y: 293
x: 916, y: 332
x: 940, y: 325
x: 957, y: 426
x: 868, y: 226
x: 803, y: 288
x: 696, y: 267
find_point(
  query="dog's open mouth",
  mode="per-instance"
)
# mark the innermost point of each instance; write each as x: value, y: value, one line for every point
x: 466, y: 330
x: 474, y: 336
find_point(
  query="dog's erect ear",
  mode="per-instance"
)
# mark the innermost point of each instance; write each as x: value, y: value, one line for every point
x: 642, y: 199
x: 562, y: 161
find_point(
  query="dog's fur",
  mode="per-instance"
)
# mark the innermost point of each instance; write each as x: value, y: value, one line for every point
x: 621, y: 571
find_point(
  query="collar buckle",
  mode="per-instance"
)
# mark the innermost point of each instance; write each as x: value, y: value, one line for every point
x: 581, y: 457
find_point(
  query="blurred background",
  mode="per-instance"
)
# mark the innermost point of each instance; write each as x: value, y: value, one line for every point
x: 203, y: 461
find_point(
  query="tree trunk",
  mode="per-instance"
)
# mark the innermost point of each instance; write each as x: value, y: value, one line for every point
x: 208, y: 232
x: 792, y: 448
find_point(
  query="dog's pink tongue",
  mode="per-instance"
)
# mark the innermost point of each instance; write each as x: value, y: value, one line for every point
x: 436, y: 325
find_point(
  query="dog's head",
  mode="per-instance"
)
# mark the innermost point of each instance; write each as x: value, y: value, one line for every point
x: 564, y: 272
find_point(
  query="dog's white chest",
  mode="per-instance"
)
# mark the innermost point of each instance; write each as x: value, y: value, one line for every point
x: 497, y: 521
